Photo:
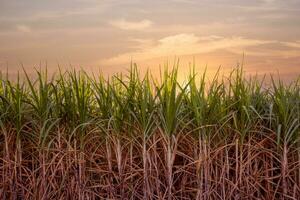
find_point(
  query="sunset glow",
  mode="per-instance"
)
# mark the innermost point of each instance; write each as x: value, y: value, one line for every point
x: 107, y: 35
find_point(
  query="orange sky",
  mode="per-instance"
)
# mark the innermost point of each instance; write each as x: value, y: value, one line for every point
x: 107, y: 34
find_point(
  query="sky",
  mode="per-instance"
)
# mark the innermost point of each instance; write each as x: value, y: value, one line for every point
x: 107, y: 35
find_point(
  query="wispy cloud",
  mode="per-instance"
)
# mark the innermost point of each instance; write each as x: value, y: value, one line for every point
x: 184, y: 44
x: 131, y: 25
x: 268, y: 1
x: 183, y: 1
x: 55, y: 12
x: 23, y: 28
x: 292, y: 44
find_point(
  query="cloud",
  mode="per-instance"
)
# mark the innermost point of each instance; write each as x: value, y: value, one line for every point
x: 292, y: 44
x: 184, y: 44
x: 50, y: 11
x: 23, y: 28
x: 131, y: 25
x: 268, y: 1
x: 183, y: 1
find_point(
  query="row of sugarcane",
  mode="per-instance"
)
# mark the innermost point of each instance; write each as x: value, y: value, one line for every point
x: 79, y: 136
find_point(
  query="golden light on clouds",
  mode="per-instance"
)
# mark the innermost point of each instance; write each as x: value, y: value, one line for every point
x: 181, y: 45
